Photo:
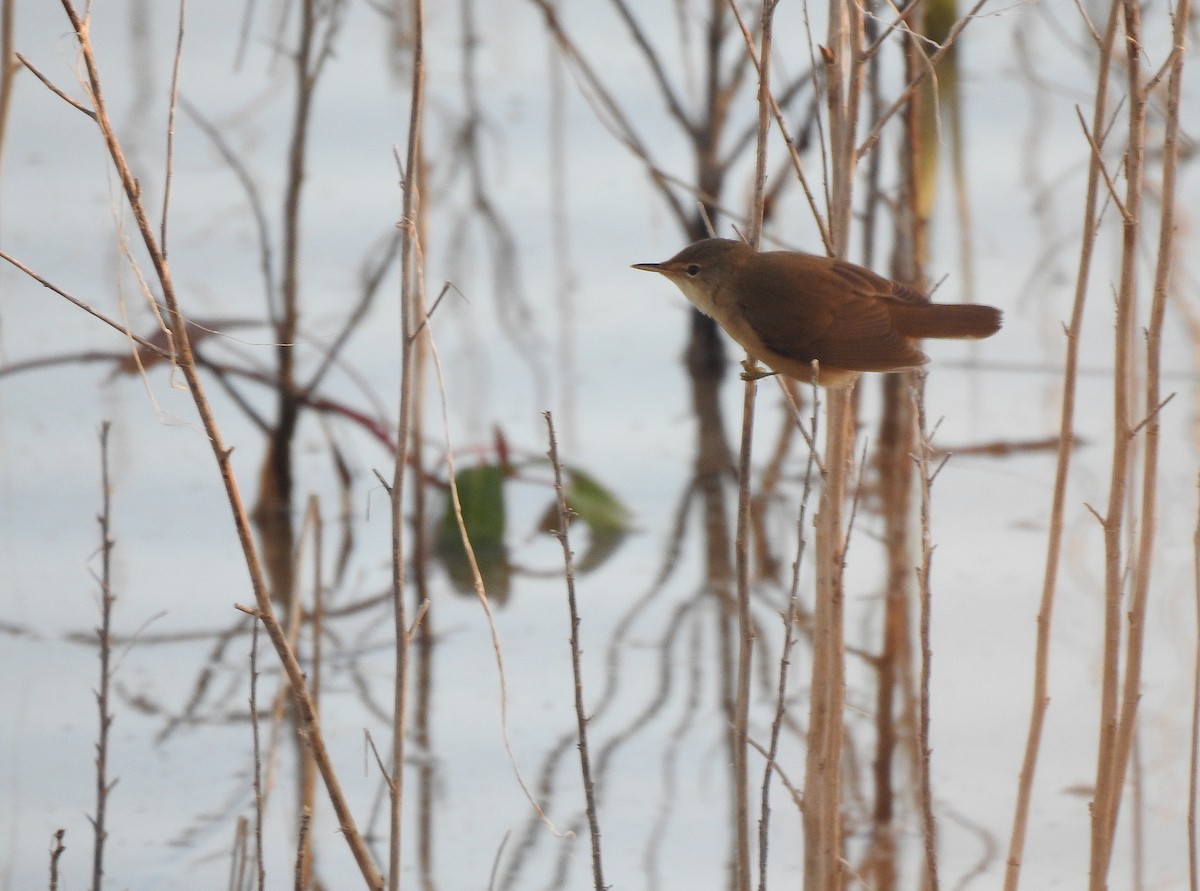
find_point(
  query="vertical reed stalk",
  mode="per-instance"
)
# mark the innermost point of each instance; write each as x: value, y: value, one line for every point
x: 410, y: 299
x: 1066, y: 443
x: 823, y: 762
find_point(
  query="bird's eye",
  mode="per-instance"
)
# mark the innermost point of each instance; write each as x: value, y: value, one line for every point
x: 693, y: 270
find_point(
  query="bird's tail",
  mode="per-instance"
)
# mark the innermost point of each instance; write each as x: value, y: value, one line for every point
x: 954, y: 320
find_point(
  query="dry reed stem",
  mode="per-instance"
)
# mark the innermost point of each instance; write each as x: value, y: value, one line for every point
x: 314, y: 526
x: 1066, y: 441
x: 1194, y: 747
x: 925, y: 590
x: 10, y: 63
x: 822, y: 785
x: 745, y: 651
x: 238, y: 859
x: 1153, y: 402
x: 421, y: 678
x: 172, y: 108
x: 789, y: 619
x: 256, y: 749
x: 56, y: 852
x: 744, y: 529
x: 303, y: 868
x: 1110, y: 760
x: 823, y: 863
x: 104, y: 639
x: 411, y: 300
x: 264, y: 609
x: 565, y: 278
x: 563, y: 535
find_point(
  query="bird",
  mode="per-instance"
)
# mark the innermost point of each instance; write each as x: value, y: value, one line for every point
x: 791, y: 309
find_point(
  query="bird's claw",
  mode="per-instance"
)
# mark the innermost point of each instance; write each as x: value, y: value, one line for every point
x: 752, y: 371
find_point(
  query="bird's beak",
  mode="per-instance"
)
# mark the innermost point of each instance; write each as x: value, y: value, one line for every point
x: 648, y: 267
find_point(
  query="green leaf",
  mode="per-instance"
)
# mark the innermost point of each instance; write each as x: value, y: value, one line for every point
x: 481, y: 494
x: 607, y: 519
x: 596, y: 506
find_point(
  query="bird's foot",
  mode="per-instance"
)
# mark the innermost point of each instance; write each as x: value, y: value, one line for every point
x: 753, y: 372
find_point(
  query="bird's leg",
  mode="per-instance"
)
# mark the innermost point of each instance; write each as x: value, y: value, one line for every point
x: 752, y: 372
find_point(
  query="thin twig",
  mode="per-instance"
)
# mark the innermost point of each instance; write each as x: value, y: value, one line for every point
x: 1143, y: 557
x: 56, y: 851
x: 744, y: 530
x: 95, y: 313
x: 314, y: 528
x: 1193, y: 846
x: 260, y: 866
x: 303, y: 849
x: 74, y: 103
x: 925, y: 592
x: 104, y: 638
x: 1040, y: 697
x: 172, y: 108
x: 8, y: 70
x: 789, y: 638
x: 822, y: 817
x: 745, y: 652
x: 1098, y: 158
x: 1111, y: 756
x: 411, y: 299
x: 563, y: 535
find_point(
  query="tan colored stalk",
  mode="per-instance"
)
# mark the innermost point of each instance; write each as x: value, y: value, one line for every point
x: 9, y: 66
x: 1066, y: 443
x: 1193, y: 847
x: 1143, y: 565
x: 742, y: 549
x: 1109, y: 769
x: 410, y: 299
x: 822, y: 783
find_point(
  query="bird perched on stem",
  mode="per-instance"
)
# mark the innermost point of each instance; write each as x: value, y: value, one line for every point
x: 790, y: 309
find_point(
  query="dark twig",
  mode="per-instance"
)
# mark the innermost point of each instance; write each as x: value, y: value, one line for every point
x: 56, y: 851
x: 78, y: 106
x: 925, y: 591
x: 259, y: 861
x: 95, y: 313
x: 302, y: 849
x: 589, y: 786
x: 103, y: 634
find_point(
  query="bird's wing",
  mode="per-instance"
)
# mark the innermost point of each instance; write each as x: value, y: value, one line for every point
x: 855, y: 334
x: 867, y: 282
